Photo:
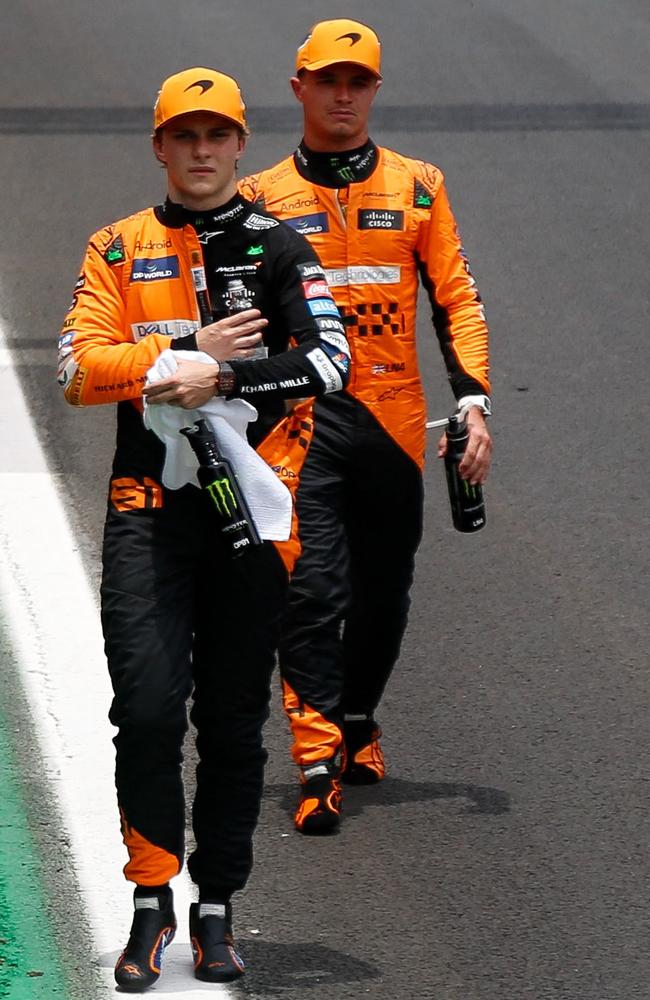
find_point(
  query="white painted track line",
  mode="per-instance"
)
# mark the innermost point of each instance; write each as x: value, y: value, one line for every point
x: 54, y: 622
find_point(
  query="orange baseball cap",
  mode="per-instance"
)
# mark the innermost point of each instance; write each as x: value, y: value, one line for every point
x: 339, y: 41
x: 199, y: 89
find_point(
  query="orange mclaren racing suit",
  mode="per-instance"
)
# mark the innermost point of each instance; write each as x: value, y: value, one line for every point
x: 178, y: 613
x: 380, y: 222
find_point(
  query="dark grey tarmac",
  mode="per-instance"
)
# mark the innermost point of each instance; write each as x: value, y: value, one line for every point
x: 505, y: 857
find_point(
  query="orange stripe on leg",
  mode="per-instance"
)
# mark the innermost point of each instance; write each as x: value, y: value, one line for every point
x: 147, y: 864
x: 314, y: 736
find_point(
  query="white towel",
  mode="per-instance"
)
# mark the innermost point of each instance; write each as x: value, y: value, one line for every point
x: 269, y: 500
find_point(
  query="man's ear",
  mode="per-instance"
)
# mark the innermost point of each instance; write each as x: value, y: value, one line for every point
x: 158, y: 152
x: 240, y: 149
x: 296, y: 86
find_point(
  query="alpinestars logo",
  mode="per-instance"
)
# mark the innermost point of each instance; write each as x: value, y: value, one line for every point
x: 203, y: 84
x: 354, y: 37
x: 204, y: 237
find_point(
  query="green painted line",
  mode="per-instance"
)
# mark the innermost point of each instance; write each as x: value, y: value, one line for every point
x: 30, y: 967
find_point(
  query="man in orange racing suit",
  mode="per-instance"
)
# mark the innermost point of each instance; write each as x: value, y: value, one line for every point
x: 378, y: 221
x: 177, y: 611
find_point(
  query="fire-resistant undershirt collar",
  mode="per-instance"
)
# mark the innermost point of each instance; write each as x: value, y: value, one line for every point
x: 336, y: 170
x: 176, y: 215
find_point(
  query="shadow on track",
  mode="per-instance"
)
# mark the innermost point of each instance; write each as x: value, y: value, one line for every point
x: 395, y: 791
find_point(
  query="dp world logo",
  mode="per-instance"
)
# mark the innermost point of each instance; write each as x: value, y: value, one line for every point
x: 310, y: 225
x: 154, y: 268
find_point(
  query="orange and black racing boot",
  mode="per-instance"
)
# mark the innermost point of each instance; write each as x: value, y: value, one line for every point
x: 215, y: 958
x: 363, y: 760
x: 319, y: 808
x: 153, y: 928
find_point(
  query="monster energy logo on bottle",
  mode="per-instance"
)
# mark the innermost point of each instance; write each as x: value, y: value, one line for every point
x: 221, y: 492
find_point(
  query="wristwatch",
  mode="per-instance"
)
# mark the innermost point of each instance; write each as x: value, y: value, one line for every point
x: 226, y: 380
x: 466, y: 402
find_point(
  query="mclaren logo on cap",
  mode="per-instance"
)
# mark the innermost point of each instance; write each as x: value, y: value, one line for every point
x: 354, y: 37
x: 203, y: 84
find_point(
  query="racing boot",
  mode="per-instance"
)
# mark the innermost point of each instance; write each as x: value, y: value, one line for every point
x: 215, y: 958
x: 319, y: 807
x: 153, y: 928
x: 363, y: 760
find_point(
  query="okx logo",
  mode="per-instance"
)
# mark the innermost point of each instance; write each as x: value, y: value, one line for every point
x: 224, y: 499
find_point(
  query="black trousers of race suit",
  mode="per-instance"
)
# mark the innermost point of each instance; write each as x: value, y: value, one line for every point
x: 359, y: 504
x: 181, y: 615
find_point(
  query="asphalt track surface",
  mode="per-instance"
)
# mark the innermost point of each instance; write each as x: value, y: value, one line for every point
x: 505, y: 857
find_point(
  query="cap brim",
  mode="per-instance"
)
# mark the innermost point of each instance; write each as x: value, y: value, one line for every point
x: 322, y: 63
x: 209, y: 111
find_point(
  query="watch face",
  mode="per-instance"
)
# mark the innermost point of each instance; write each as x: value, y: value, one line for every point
x: 225, y: 380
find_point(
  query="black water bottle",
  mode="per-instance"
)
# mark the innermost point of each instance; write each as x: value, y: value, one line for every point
x: 217, y: 477
x: 467, y: 503
x: 237, y: 299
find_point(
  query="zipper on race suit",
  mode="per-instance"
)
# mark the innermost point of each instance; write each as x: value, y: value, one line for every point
x: 342, y: 198
x: 191, y: 247
x: 342, y: 203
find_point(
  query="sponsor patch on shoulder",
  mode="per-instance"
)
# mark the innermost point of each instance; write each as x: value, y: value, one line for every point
x: 422, y: 198
x: 114, y: 253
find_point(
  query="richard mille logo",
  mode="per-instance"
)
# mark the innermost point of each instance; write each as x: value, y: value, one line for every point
x: 205, y: 84
x: 354, y: 37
